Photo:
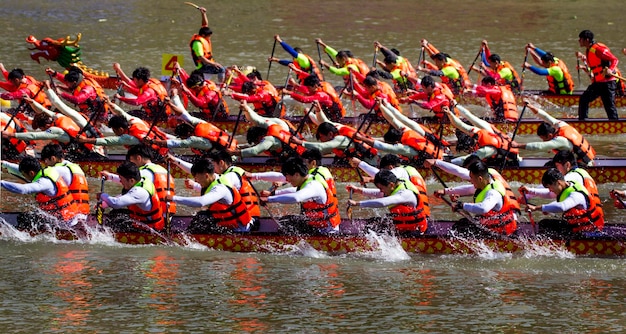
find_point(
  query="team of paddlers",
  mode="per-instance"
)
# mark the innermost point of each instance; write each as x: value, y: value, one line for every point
x: 70, y: 110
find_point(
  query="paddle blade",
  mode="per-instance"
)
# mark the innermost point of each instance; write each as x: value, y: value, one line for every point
x: 100, y: 214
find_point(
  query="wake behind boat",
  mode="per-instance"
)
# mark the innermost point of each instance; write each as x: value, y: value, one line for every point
x: 437, y: 240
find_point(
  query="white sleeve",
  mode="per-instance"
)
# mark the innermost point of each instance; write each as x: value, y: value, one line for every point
x: 492, y: 201
x: 573, y: 200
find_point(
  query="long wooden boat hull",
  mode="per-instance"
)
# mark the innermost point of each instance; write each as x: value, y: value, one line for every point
x: 437, y: 240
x: 528, y: 126
x: 530, y: 171
x: 548, y: 99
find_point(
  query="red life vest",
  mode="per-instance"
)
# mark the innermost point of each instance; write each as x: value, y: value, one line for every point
x: 583, y: 150
x: 206, y: 48
x: 357, y: 148
x: 421, y: 144
x: 210, y: 108
x: 408, y: 218
x: 232, y: 216
x: 14, y: 127
x: 418, y: 181
x: 502, y: 221
x: 514, y: 84
x: 582, y: 220
x: 506, y: 106
x: 589, y: 184
x: 78, y: 187
x: 140, y: 130
x: 161, y: 185
x: 248, y: 195
x: 154, y: 217
x: 336, y: 109
x: 61, y: 205
x: 324, y: 174
x: 508, y: 190
x: 313, y: 69
x: 596, y: 64
x: 159, y: 106
x: 321, y: 215
x: 565, y: 86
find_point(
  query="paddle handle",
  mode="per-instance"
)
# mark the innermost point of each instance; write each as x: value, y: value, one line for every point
x: 508, y: 150
x: 99, y: 209
x: 168, y: 218
x: 269, y: 67
x: 192, y: 5
x: 349, y: 208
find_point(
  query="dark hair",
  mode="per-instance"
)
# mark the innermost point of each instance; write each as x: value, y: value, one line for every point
x: 427, y: 81
x: 118, y: 122
x: 564, y: 156
x: 586, y: 34
x: 205, y: 31
x: 343, y: 54
x: 389, y: 161
x: 194, y: 80
x: 472, y: 158
x: 394, y: 50
x: 74, y: 76
x: 488, y: 80
x: 221, y: 155
x: 464, y: 142
x: 495, y: 57
x: 311, y: 81
x: 392, y: 136
x: 52, y: 150
x: 16, y: 73
x: 141, y: 150
x: 293, y: 166
x: 479, y: 168
x: 385, y: 177
x: 141, y: 73
x: 248, y: 87
x: 326, y: 129
x: 184, y: 130
x: 390, y: 59
x: 29, y: 164
x: 129, y: 170
x: 551, y: 176
x: 254, y: 74
x: 203, y: 166
x: 255, y: 134
x: 547, y: 57
x: 41, y: 120
x: 313, y: 154
x: 545, y: 129
x: 439, y: 56
x: 370, y: 81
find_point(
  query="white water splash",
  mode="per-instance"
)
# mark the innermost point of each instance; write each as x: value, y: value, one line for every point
x: 542, y: 247
x: 480, y: 248
x: 305, y: 249
x: 385, y: 247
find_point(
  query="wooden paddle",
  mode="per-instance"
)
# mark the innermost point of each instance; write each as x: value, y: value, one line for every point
x: 530, y: 214
x: 375, y: 56
x: 349, y: 208
x: 480, y: 52
x: 99, y: 209
x: 192, y: 5
x: 618, y: 77
x: 508, y: 150
x: 232, y: 136
x: 264, y: 204
x: 168, y: 218
x: 282, y: 95
x: 269, y: 67
x: 521, y: 84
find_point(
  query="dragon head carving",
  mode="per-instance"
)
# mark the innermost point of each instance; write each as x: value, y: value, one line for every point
x: 64, y: 51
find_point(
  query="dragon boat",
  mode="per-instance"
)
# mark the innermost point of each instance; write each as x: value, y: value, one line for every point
x: 437, y: 240
x: 528, y: 126
x: 606, y: 170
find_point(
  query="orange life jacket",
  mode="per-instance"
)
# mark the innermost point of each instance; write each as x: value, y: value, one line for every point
x: 159, y: 106
x: 15, y: 127
x: 206, y: 48
x: 321, y: 215
x: 421, y: 144
x: 583, y: 150
x: 78, y: 187
x: 514, y: 84
x: 287, y: 149
x: 582, y: 220
x: 248, y: 195
x: 314, y: 69
x: 565, y: 86
x: 37, y: 93
x: 337, y: 108
x: 209, y: 109
x: 324, y: 174
x: 497, y: 140
x: 71, y: 128
x: 502, y: 221
x: 596, y: 64
x: 265, y: 108
x: 140, y: 130
x: 357, y: 148
x: 416, y: 178
x: 218, y: 137
x: 506, y: 106
x: 589, y: 184
x: 456, y: 85
x: 508, y: 190
x: 61, y: 205
x: 161, y: 185
x: 408, y: 218
x: 232, y: 216
x: 154, y: 217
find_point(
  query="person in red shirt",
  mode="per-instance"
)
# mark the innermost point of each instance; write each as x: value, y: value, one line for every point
x: 500, y: 99
x: 602, y: 64
x: 431, y: 97
x: 315, y: 91
x: 149, y: 92
x: 263, y: 97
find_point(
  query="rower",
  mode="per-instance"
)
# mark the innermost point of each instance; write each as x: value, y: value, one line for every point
x: 495, y: 210
x: 490, y: 144
x: 344, y: 61
x: 269, y: 135
x: 227, y: 211
x: 84, y: 92
x: 14, y: 148
x: 554, y: 69
x: 51, y: 192
x: 141, y: 155
x: 500, y: 98
x: 393, y: 163
x: 502, y: 71
x: 580, y: 212
x: 317, y: 91
x: 203, y: 93
x: 139, y: 196
x: 402, y: 72
x: 558, y: 135
x: 448, y: 69
x: 302, y: 64
x: 433, y: 96
x: 370, y: 91
x: 263, y: 95
x: 223, y: 164
x: 19, y: 85
x: 73, y: 175
x: 318, y: 208
x: 336, y: 138
x: 148, y: 92
x: 403, y: 199
x: 202, y: 50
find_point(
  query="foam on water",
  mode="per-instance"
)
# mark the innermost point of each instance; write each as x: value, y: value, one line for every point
x: 385, y: 247
x: 305, y: 249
